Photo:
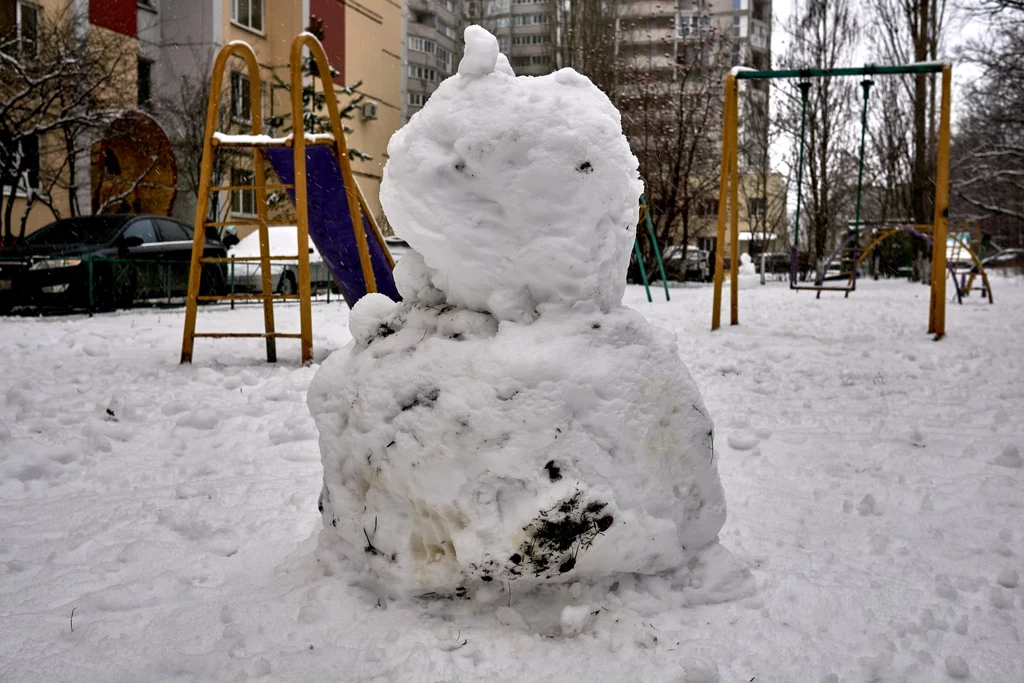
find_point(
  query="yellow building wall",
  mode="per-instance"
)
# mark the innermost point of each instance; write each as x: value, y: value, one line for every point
x: 373, y: 55
x: 53, y: 171
x: 282, y: 21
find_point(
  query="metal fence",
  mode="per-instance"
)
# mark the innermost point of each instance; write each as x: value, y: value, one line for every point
x: 103, y: 284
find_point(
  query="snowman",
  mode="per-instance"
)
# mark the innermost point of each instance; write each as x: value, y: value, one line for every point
x: 510, y: 422
x: 748, y: 276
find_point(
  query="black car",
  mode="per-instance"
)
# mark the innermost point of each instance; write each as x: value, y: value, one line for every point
x: 123, y: 257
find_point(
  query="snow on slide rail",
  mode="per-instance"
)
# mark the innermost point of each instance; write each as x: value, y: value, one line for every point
x: 225, y: 140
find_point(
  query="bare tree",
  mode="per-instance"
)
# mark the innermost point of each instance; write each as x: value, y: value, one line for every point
x: 583, y: 36
x: 61, y: 85
x: 907, y: 31
x: 988, y: 170
x: 763, y: 189
x: 670, y: 97
x: 824, y: 36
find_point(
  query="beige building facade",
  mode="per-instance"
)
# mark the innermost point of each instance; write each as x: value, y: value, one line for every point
x: 169, y: 47
x: 373, y: 55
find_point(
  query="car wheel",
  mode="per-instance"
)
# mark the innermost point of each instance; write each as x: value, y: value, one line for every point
x: 287, y: 285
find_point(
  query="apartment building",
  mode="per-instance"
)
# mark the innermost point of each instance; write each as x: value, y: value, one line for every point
x: 661, y: 35
x: 433, y: 48
x: 524, y: 28
x: 172, y: 44
x: 26, y: 28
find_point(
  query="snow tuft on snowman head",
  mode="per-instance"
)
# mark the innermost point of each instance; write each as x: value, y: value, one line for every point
x: 516, y: 192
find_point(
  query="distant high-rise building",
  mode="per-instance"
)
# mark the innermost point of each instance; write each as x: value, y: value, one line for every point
x: 433, y: 47
x: 524, y: 28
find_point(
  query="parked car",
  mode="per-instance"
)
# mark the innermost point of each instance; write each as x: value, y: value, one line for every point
x: 695, y: 267
x: 284, y: 275
x: 123, y: 256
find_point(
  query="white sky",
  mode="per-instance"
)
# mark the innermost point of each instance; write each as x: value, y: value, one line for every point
x: 962, y: 30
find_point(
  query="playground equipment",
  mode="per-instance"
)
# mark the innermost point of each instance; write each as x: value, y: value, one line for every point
x: 645, y: 215
x: 728, y: 197
x: 878, y: 232
x: 316, y: 173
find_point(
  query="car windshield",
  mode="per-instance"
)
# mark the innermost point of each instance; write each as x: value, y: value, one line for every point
x: 91, y: 230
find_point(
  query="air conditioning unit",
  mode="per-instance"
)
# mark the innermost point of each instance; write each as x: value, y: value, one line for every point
x: 369, y: 111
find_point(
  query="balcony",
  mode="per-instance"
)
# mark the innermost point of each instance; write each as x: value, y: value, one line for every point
x: 644, y: 9
x: 641, y: 36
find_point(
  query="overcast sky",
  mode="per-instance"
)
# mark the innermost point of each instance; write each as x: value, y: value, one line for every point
x: 962, y: 29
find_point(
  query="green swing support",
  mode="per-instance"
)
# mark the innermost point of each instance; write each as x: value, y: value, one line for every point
x: 657, y: 253
x: 818, y: 285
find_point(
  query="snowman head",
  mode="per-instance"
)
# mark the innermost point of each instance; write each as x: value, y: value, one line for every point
x: 515, y: 192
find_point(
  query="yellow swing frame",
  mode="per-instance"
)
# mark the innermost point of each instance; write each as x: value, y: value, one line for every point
x: 728, y: 194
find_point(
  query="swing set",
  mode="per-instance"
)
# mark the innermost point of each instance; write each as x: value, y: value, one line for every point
x: 728, y: 195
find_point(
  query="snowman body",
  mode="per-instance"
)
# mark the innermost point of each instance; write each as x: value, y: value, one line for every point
x: 510, y: 420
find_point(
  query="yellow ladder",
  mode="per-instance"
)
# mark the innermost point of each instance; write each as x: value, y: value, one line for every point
x: 214, y: 141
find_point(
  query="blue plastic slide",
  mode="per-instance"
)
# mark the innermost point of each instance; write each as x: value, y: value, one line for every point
x: 330, y: 223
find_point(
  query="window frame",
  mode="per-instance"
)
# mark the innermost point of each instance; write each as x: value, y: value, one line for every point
x: 248, y: 25
x: 241, y: 103
x: 423, y: 73
x: 149, y: 81
x: 29, y: 179
x: 757, y: 208
x: 239, y: 198
x: 19, y: 5
x: 429, y: 46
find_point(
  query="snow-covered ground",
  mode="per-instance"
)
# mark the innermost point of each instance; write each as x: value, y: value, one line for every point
x: 873, y: 477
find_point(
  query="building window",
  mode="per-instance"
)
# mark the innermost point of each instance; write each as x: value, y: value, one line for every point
x: 445, y: 58
x: 530, y: 19
x: 541, y: 39
x: 27, y: 160
x: 241, y: 104
x: 540, y: 59
x: 446, y: 29
x: 248, y: 13
x: 417, y: 71
x: 756, y: 207
x: 417, y: 99
x: 739, y: 27
x: 418, y: 44
x: 503, y: 43
x: 449, y: 5
x: 145, y: 83
x: 243, y: 202
x: 26, y: 17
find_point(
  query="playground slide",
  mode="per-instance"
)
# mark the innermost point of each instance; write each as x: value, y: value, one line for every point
x: 330, y: 224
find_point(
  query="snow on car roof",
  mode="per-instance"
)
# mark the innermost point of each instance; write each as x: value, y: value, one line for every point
x: 283, y: 242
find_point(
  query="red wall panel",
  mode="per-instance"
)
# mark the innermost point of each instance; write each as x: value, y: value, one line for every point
x: 332, y: 13
x: 116, y: 15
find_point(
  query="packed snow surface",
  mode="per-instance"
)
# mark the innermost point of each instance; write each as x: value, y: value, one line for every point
x: 181, y: 530
x: 516, y: 191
